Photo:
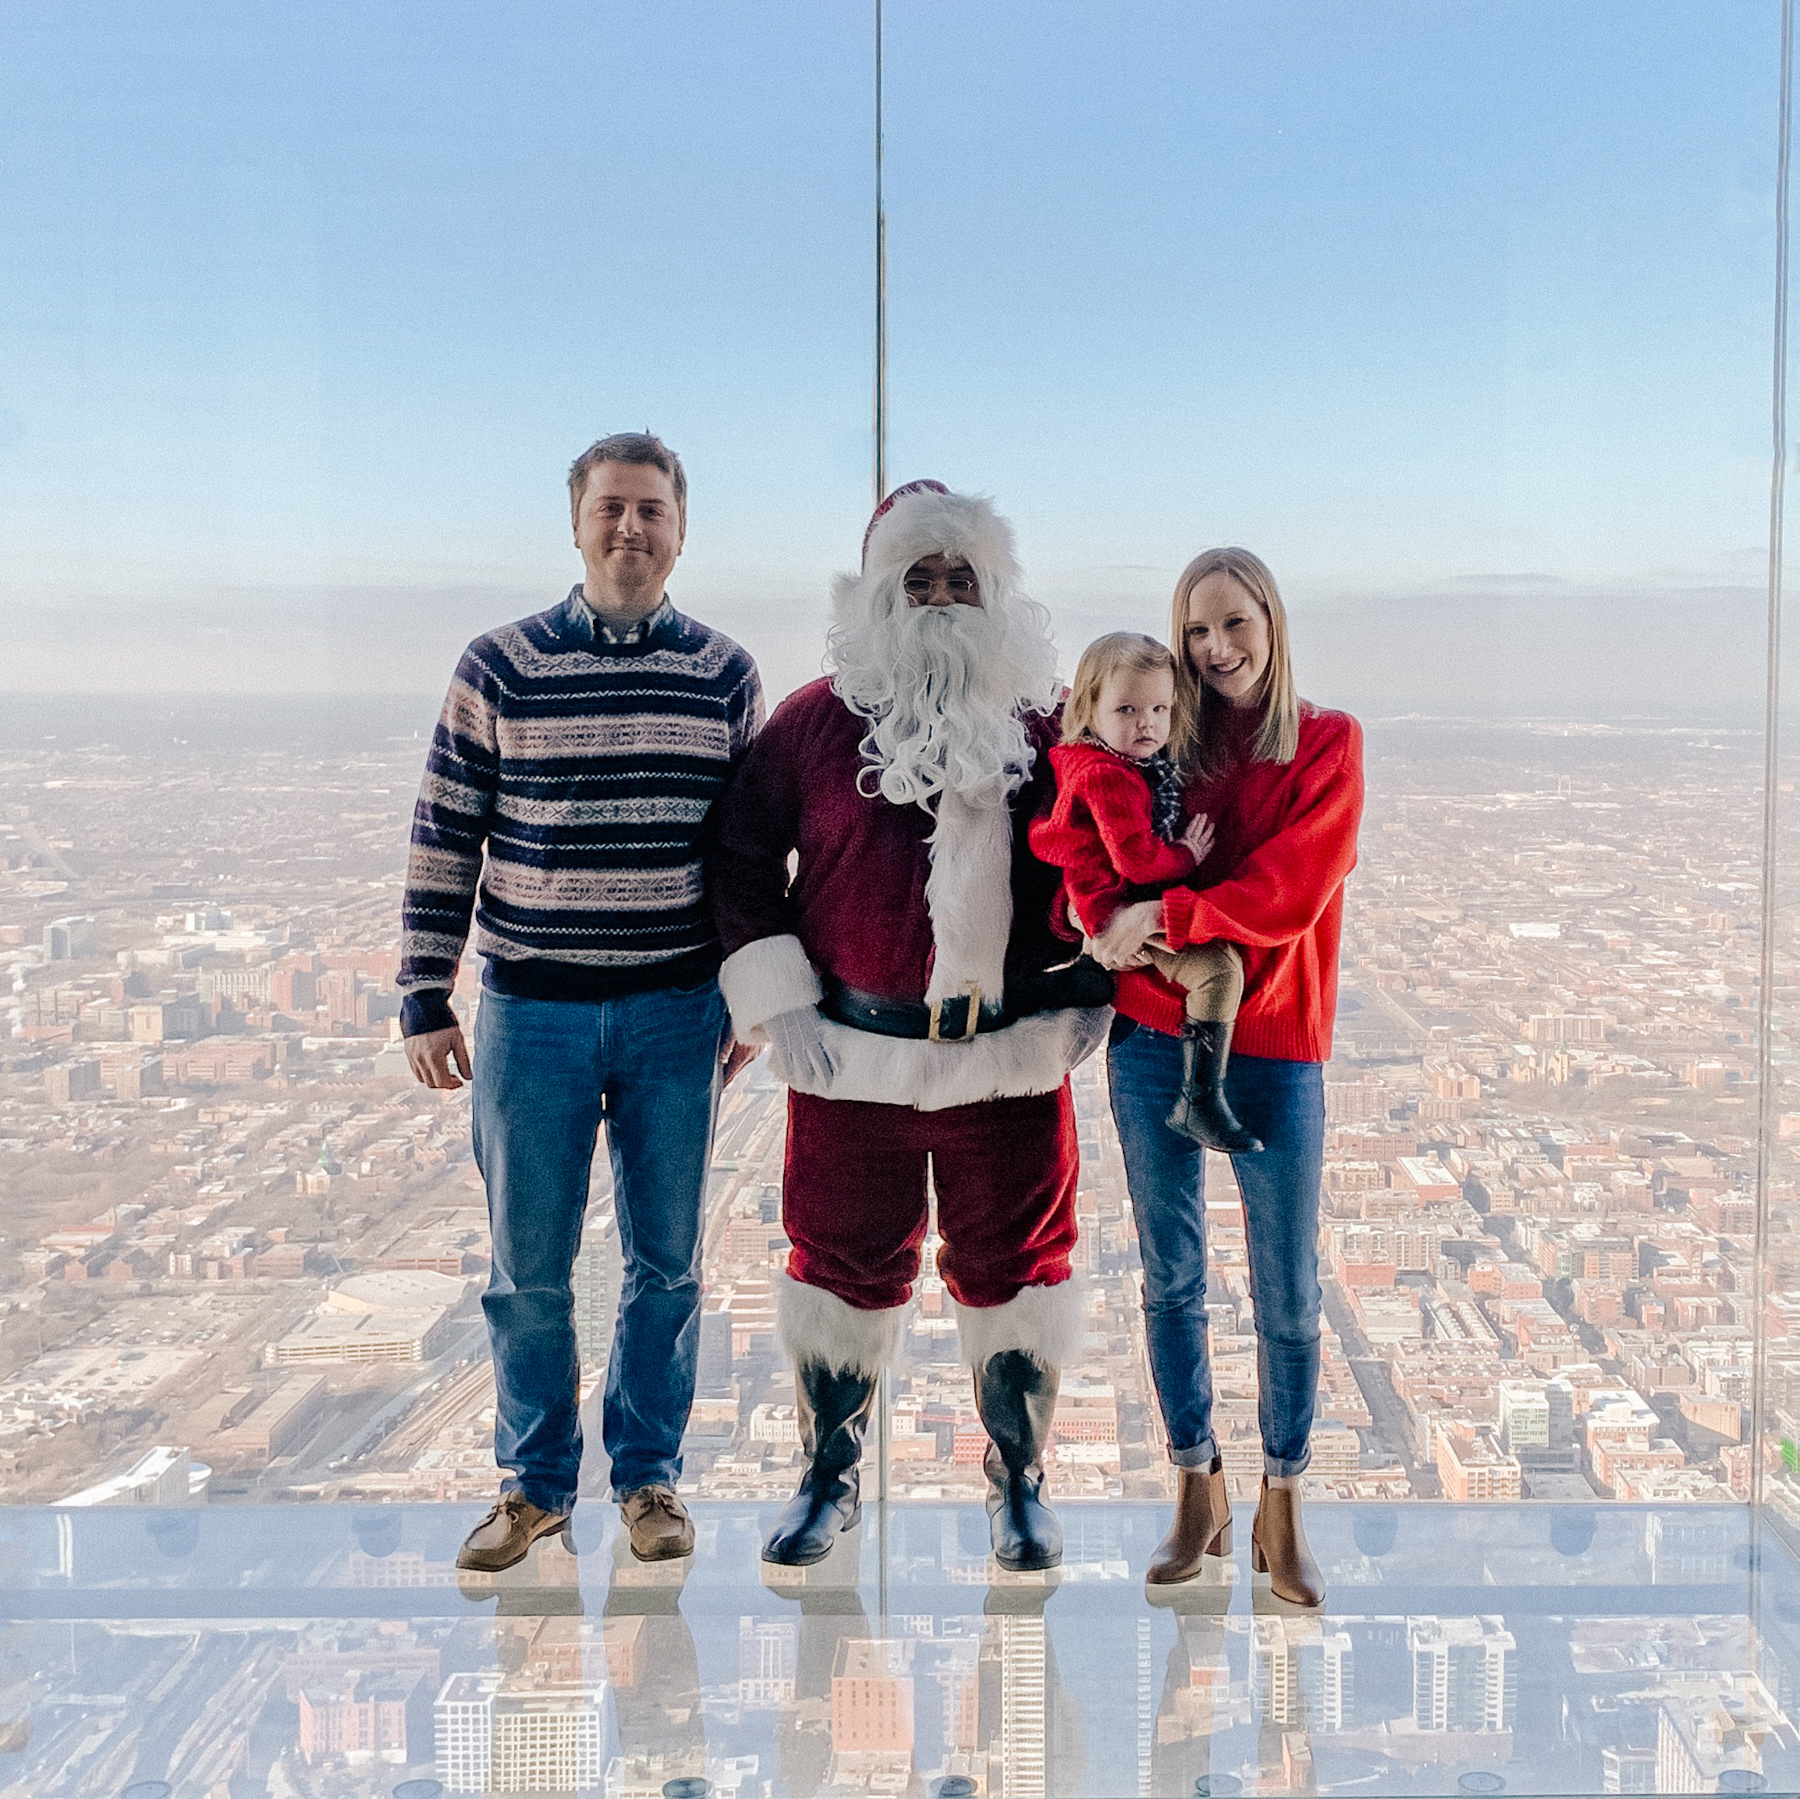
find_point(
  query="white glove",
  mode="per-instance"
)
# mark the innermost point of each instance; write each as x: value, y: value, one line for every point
x: 798, y: 1040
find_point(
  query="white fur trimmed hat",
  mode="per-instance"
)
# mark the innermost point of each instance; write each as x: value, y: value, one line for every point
x: 924, y: 518
x: 925, y: 486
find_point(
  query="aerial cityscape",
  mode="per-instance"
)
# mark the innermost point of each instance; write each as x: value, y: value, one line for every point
x: 236, y: 1226
x: 243, y: 1254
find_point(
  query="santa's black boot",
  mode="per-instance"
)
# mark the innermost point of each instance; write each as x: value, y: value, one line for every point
x: 1017, y: 1399
x: 834, y: 1408
x: 1202, y: 1110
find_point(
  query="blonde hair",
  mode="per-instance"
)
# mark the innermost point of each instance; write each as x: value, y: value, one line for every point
x: 1104, y: 656
x: 1278, y: 736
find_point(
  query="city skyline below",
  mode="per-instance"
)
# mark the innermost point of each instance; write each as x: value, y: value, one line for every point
x: 242, y: 1237
x: 1462, y: 317
x: 605, y: 1678
x: 244, y: 1252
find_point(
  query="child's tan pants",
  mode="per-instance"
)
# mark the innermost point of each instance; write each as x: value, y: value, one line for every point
x: 1212, y: 976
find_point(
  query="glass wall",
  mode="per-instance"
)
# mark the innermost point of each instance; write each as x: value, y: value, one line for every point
x: 1776, y: 1333
x: 308, y: 311
x: 1460, y: 318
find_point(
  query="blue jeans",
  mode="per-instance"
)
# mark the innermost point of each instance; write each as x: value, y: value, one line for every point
x: 547, y: 1074
x: 1283, y: 1103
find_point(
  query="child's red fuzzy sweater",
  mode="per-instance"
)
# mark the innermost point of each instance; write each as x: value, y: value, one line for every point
x: 1099, y: 833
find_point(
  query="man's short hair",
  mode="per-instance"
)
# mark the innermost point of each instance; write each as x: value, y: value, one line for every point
x: 640, y: 447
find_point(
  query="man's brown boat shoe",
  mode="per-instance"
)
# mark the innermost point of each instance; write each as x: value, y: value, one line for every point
x: 505, y: 1536
x: 658, y: 1522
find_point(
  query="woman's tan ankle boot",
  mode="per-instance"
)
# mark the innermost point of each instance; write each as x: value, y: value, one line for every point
x: 1202, y: 1526
x: 1278, y: 1548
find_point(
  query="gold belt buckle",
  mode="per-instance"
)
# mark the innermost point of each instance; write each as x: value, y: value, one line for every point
x: 970, y: 990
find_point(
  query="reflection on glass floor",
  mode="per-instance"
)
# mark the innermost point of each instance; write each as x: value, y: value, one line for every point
x: 325, y: 1651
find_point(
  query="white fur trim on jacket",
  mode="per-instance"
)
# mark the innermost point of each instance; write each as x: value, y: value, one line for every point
x: 816, y: 1326
x: 969, y: 896
x: 1031, y: 1056
x: 1047, y: 1323
x: 766, y: 978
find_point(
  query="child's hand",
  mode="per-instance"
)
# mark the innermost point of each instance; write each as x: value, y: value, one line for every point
x: 1197, y: 839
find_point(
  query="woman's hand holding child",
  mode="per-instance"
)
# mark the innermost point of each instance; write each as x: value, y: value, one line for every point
x: 1125, y: 940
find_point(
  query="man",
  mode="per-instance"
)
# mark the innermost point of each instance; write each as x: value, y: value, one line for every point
x: 899, y: 976
x: 584, y: 748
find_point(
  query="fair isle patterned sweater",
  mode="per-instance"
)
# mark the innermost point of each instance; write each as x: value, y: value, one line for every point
x: 585, y: 764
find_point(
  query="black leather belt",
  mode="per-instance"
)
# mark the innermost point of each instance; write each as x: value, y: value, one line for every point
x: 954, y: 1019
x: 961, y: 1016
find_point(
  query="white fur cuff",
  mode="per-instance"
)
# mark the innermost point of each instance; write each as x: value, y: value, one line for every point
x: 1046, y: 1323
x: 816, y: 1326
x: 766, y: 978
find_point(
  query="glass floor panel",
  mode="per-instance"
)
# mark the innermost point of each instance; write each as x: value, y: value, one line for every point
x: 331, y: 1652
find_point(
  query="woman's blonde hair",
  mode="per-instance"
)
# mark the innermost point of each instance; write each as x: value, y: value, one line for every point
x: 1143, y: 656
x: 1278, y: 736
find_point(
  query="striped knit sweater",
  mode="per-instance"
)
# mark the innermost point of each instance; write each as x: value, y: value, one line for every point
x: 586, y: 768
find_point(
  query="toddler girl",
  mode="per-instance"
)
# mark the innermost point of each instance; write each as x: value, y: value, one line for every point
x: 1117, y: 833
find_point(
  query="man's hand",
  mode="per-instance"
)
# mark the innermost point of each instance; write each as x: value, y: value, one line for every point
x: 1197, y: 839
x: 1124, y: 942
x: 436, y: 1057
x: 736, y: 1057
x: 798, y: 1039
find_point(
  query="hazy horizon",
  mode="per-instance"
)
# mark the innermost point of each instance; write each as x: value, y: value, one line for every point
x: 1546, y: 648
x: 1459, y: 317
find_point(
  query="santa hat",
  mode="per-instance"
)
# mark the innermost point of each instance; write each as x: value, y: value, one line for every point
x: 924, y: 518
x: 925, y: 486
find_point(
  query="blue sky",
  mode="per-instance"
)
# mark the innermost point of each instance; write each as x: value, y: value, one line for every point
x: 306, y: 308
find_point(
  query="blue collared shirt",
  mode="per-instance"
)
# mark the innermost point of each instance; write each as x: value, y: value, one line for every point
x: 618, y: 634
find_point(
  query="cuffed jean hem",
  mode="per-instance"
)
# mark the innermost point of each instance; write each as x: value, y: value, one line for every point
x: 1282, y: 1467
x: 546, y: 1499
x: 1202, y: 1455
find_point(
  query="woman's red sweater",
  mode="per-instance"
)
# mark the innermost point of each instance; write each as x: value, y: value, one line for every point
x: 1273, y: 884
x: 1099, y: 833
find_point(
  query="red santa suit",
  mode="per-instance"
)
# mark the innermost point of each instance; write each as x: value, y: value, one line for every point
x: 993, y: 1112
x: 918, y: 904
x: 908, y: 904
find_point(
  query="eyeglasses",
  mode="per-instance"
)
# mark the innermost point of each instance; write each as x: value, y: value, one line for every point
x: 959, y: 587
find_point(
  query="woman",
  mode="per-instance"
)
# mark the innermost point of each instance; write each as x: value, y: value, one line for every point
x: 1281, y: 781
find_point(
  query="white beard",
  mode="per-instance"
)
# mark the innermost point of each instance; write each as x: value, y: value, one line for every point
x: 943, y: 688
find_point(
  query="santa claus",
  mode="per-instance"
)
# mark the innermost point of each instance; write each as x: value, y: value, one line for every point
x: 887, y: 934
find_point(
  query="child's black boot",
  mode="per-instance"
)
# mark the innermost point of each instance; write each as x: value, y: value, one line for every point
x: 1202, y: 1111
